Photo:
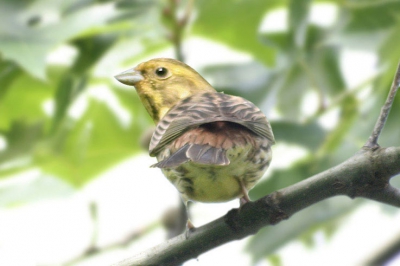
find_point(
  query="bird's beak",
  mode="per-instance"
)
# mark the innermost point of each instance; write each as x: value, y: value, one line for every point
x: 129, y: 77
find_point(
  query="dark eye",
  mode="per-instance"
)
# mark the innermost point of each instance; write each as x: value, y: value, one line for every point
x: 161, y: 72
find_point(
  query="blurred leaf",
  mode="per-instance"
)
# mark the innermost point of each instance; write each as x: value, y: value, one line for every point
x: 21, y: 139
x: 23, y: 101
x: 325, y: 68
x: 96, y: 142
x: 365, y: 24
x: 389, y: 55
x: 378, y: 15
x: 8, y: 72
x: 242, y: 33
x: 249, y: 80
x: 292, y: 92
x: 298, y: 20
x: 74, y: 81
x: 68, y: 89
x: 275, y: 260
x: 28, y: 45
x: 349, y: 112
x: 23, y: 119
x: 308, y: 135
x: 129, y: 99
x: 90, y: 51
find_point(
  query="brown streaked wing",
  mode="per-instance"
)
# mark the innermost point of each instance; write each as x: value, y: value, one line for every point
x: 205, y: 108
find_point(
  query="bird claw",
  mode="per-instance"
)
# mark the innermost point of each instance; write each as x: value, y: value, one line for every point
x: 189, y: 228
x: 244, y: 200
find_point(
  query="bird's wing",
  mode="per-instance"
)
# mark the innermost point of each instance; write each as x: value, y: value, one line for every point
x: 205, y: 108
x: 202, y: 154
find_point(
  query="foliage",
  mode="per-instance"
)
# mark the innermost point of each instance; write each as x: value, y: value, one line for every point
x: 40, y: 99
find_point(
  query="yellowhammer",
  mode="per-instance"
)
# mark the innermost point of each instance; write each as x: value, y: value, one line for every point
x: 213, y: 147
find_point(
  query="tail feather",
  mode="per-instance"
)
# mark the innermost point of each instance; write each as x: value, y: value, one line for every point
x: 201, y: 154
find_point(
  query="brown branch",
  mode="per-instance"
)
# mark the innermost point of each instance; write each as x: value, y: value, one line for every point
x: 366, y: 174
x: 372, y: 142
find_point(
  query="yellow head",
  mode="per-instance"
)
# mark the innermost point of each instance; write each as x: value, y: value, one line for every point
x: 162, y: 82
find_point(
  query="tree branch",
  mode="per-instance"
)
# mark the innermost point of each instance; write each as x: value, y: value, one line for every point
x: 366, y: 174
x: 380, y: 123
x: 383, y: 255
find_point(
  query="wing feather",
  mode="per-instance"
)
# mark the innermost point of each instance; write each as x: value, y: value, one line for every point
x: 201, y: 154
x: 205, y: 108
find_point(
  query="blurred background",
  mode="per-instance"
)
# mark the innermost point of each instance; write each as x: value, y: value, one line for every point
x: 75, y: 182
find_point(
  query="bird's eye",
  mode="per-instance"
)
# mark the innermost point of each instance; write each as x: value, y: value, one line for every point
x: 161, y: 72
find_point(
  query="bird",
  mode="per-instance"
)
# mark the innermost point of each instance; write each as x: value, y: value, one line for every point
x: 213, y: 147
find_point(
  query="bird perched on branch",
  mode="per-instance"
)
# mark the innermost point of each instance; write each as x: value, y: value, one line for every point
x: 211, y: 146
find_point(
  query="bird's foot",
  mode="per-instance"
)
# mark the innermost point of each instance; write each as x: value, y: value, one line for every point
x: 189, y: 228
x: 243, y: 201
x: 245, y: 198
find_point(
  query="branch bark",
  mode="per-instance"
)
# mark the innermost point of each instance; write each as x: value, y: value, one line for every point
x: 366, y: 174
x: 372, y: 142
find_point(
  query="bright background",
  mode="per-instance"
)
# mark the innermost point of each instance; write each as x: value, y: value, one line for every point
x: 75, y: 182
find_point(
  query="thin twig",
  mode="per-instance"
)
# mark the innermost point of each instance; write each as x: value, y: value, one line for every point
x: 372, y: 142
x: 177, y: 24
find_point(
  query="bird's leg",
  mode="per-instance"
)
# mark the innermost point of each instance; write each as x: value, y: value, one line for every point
x: 245, y: 198
x: 189, y: 225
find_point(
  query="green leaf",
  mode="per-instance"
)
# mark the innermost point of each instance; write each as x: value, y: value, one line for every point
x: 8, y: 72
x: 325, y: 69
x: 249, y: 80
x: 378, y: 15
x: 348, y: 115
x: 75, y: 80
x: 21, y: 139
x: 309, y: 135
x: 291, y: 92
x: 93, y: 144
x: 91, y: 49
x: 26, y: 42
x: 229, y: 22
x: 298, y: 20
x: 23, y: 100
x: 68, y: 89
x: 365, y: 24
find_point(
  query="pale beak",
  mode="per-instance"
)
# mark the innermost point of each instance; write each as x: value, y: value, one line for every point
x: 129, y: 77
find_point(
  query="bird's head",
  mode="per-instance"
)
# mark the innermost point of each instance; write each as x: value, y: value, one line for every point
x: 162, y: 82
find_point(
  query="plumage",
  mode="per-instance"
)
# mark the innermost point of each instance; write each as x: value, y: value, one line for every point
x: 203, y: 108
x: 212, y: 147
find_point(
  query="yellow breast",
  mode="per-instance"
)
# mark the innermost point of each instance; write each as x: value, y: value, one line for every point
x: 212, y: 183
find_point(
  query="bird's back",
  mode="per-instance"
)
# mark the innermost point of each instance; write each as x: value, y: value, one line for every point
x: 210, y: 143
